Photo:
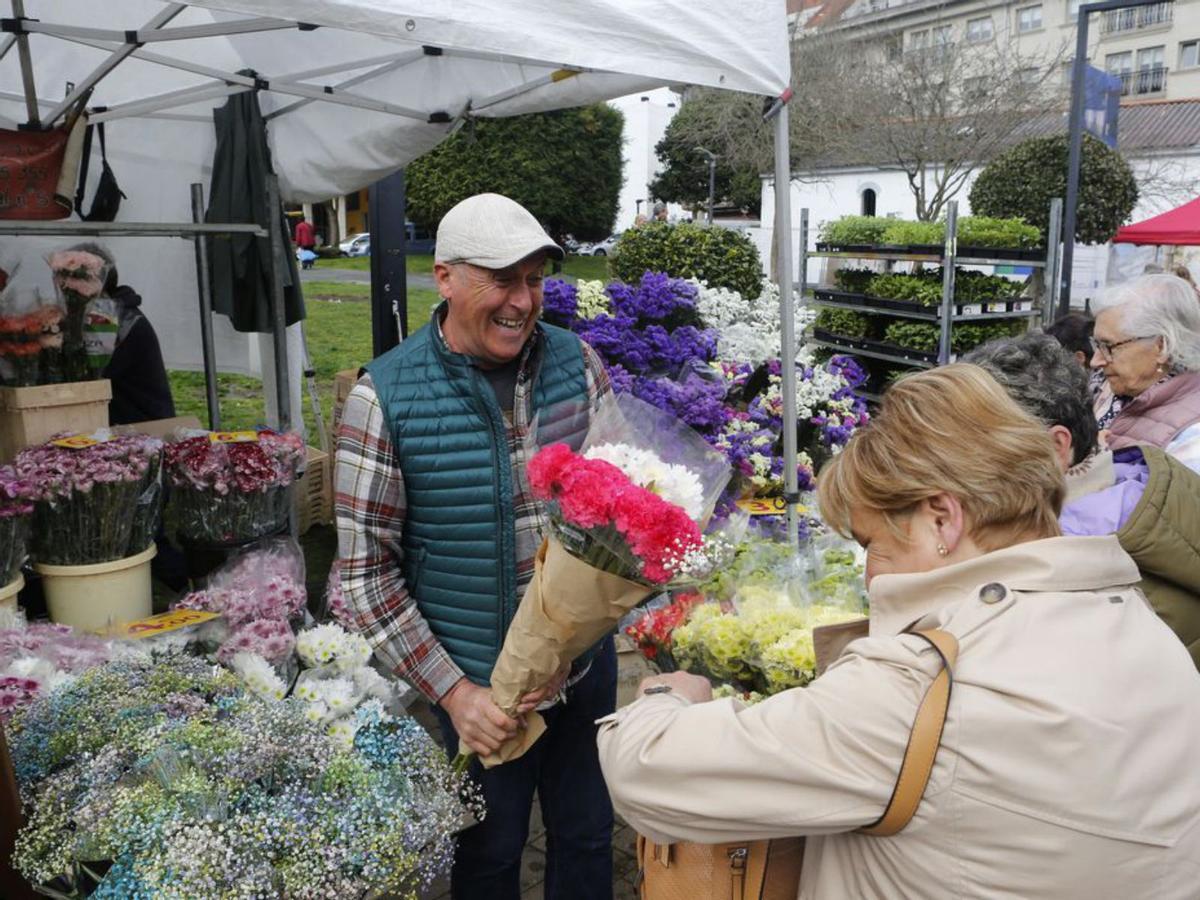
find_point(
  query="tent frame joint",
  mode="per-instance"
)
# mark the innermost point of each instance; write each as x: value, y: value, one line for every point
x: 15, y: 25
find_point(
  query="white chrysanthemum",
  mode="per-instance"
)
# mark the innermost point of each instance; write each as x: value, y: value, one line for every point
x: 320, y: 644
x: 353, y: 653
x: 674, y: 483
x: 316, y: 711
x: 371, y: 683
x: 258, y: 676
x: 343, y: 731
x: 30, y: 667
x: 339, y: 694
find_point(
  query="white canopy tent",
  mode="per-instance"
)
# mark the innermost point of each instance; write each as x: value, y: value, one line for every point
x: 352, y: 90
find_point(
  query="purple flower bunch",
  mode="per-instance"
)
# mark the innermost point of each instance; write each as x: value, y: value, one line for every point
x: 93, y: 502
x: 272, y: 639
x: 697, y: 401
x: 15, y: 508
x: 41, y: 656
x: 16, y: 494
x: 657, y: 298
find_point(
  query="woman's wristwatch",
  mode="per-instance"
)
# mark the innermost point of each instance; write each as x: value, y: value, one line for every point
x: 657, y: 689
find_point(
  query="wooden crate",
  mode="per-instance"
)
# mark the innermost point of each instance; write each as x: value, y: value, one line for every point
x: 33, y: 415
x: 343, y: 382
x: 314, y: 491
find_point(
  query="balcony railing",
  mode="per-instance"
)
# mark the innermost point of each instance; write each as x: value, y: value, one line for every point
x: 1144, y: 81
x: 1118, y: 20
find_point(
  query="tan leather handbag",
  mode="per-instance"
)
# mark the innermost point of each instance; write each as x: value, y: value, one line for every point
x: 770, y: 870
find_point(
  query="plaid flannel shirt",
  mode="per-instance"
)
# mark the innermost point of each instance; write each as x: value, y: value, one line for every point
x: 370, y: 508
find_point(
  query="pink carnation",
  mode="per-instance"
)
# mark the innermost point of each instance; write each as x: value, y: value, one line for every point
x: 545, y: 470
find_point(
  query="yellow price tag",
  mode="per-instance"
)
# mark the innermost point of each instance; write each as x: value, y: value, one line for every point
x: 767, y: 506
x: 161, y: 624
x: 233, y: 437
x: 76, y: 442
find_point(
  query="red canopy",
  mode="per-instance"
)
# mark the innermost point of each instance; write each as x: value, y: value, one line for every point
x: 1179, y: 227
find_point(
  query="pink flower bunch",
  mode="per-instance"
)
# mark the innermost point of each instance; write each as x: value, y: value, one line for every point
x: 15, y: 693
x: 243, y: 467
x: 78, y: 272
x: 15, y: 494
x: 591, y: 493
x: 279, y: 597
x: 59, y: 472
x: 335, y: 599
x: 272, y: 639
x: 28, y: 641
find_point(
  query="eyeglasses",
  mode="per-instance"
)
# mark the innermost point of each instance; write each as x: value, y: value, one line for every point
x: 1105, y: 349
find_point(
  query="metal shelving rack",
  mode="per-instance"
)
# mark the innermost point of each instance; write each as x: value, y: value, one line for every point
x: 943, y: 315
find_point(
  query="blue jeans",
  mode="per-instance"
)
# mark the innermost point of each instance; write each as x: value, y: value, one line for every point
x: 564, y: 768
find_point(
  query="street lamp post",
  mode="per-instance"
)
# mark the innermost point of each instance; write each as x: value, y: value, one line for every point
x: 1075, y: 137
x: 712, y: 179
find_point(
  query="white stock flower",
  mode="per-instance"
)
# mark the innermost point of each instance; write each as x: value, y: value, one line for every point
x: 590, y: 299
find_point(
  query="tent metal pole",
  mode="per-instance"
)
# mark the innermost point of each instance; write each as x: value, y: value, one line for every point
x: 7, y: 44
x: 118, y: 56
x: 386, y: 218
x: 206, y: 328
x: 184, y: 97
x: 783, y: 243
x: 283, y: 394
x: 398, y: 62
x: 144, y: 36
x: 31, y: 104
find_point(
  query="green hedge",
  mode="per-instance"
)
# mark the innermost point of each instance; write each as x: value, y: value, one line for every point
x: 723, y: 257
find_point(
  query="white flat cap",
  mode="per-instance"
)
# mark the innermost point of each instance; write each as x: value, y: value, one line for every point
x: 491, y: 231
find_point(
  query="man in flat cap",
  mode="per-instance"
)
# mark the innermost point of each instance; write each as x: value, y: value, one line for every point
x: 437, y: 533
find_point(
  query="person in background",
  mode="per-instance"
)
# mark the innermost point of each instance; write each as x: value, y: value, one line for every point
x: 1066, y: 761
x: 1147, y: 498
x: 141, y: 391
x: 306, y: 237
x: 438, y: 530
x: 1186, y: 274
x: 1074, y: 332
x: 1147, y: 344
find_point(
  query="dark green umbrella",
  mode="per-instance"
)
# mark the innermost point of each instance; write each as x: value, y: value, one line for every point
x: 241, y: 264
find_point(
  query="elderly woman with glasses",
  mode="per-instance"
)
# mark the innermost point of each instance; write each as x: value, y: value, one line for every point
x: 1066, y: 761
x: 1147, y: 344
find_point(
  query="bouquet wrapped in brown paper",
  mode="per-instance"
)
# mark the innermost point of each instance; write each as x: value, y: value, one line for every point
x: 626, y: 519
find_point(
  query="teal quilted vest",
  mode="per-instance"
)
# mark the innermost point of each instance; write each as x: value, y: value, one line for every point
x: 449, y: 438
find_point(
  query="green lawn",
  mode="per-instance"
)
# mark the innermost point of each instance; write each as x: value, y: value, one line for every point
x: 338, y: 329
x: 587, y: 267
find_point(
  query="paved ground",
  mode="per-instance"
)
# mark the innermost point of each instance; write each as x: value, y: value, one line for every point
x: 631, y: 669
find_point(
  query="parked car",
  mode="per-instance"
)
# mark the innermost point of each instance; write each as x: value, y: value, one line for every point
x: 417, y: 239
x: 356, y: 245
x: 604, y: 247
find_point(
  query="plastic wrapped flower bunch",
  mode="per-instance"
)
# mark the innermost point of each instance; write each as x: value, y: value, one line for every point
x: 15, y: 509
x: 335, y: 680
x: 40, y: 657
x: 233, y: 486
x: 259, y: 594
x: 189, y: 786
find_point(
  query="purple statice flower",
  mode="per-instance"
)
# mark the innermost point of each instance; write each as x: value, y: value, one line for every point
x: 696, y: 401
x: 849, y: 368
x: 621, y: 380
x: 657, y: 297
x: 559, y: 302
x: 610, y: 336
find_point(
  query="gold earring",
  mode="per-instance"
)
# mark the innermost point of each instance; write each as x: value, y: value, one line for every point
x: 941, y: 549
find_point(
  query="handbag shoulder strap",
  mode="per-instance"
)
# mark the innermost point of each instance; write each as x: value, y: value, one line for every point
x: 83, y: 168
x: 923, y: 741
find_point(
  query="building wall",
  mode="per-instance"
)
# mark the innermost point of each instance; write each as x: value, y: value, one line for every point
x: 1164, y: 37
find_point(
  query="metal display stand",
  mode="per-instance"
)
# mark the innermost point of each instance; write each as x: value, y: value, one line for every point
x: 196, y: 232
x: 943, y: 315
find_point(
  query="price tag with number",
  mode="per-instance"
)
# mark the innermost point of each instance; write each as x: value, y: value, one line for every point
x: 233, y: 437
x: 76, y: 442
x: 767, y: 506
x: 162, y: 623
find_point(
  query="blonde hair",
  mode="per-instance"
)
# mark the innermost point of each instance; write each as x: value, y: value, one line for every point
x: 951, y: 430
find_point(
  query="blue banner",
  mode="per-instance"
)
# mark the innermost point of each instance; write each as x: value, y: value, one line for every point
x: 1101, y: 104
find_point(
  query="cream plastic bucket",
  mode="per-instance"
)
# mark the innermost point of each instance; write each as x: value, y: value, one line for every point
x: 8, y: 593
x: 95, y: 596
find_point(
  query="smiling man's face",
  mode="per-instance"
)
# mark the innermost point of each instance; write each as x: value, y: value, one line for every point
x: 492, y: 312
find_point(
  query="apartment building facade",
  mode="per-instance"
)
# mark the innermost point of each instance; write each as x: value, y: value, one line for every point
x: 1154, y: 50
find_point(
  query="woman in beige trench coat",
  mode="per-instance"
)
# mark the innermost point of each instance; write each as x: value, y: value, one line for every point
x: 1067, y: 767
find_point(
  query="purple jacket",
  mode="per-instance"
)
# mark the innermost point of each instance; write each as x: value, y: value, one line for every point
x: 1106, y: 511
